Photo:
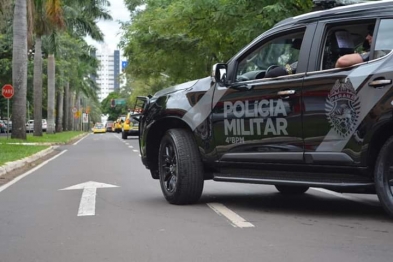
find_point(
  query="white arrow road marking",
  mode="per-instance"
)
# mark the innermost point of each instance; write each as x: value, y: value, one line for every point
x: 87, y: 206
x: 236, y: 220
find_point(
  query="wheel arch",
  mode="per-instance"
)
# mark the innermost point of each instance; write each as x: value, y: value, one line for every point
x: 379, y: 137
x: 155, y: 134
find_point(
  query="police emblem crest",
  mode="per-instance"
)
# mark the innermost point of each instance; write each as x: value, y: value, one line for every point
x: 343, y: 108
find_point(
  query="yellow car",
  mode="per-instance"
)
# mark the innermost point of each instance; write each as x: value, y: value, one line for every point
x: 117, y: 126
x: 99, y: 128
x: 130, y: 127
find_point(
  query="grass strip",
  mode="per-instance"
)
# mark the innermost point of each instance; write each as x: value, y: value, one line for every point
x: 10, y: 153
x: 58, y: 138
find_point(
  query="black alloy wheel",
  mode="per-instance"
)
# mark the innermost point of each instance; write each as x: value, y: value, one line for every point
x: 180, y: 167
x: 170, y: 168
x: 383, y: 176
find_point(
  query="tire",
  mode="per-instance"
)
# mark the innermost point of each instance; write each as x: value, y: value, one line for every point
x: 383, y: 176
x: 291, y: 190
x: 180, y: 168
x: 123, y: 135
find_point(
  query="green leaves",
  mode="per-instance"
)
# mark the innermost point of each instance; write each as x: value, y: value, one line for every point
x: 184, y: 38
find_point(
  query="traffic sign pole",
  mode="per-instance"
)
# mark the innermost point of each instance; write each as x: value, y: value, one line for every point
x: 8, y: 92
x: 8, y: 116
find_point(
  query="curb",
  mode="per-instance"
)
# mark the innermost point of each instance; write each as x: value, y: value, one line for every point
x: 10, y: 166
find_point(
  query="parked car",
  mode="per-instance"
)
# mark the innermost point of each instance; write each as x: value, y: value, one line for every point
x: 30, y: 126
x: 9, y: 124
x: 3, y: 126
x: 44, y: 125
x: 313, y: 126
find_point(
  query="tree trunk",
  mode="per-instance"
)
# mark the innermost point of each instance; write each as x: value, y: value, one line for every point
x: 71, y: 104
x: 77, y: 105
x: 60, y: 99
x: 67, y: 107
x: 51, y: 95
x: 19, y: 70
x: 38, y: 87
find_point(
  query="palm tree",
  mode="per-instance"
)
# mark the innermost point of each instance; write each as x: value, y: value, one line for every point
x: 19, y: 70
x: 80, y: 16
x: 80, y: 22
x: 51, y: 95
x: 48, y: 16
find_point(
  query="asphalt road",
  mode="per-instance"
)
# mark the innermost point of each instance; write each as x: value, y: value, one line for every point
x: 129, y: 219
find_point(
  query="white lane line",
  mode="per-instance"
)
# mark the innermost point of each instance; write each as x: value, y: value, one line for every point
x: 139, y: 154
x: 130, y: 147
x: 4, y: 187
x: 136, y: 151
x: 127, y: 144
x: 81, y: 139
x: 351, y: 198
x: 235, y: 219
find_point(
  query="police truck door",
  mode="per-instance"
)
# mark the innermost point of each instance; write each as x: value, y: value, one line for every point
x: 258, y: 119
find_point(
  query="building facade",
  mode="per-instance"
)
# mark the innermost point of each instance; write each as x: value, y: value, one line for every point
x: 108, y: 73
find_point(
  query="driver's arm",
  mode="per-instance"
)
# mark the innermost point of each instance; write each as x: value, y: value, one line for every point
x: 278, y: 71
x: 282, y: 70
x: 348, y: 60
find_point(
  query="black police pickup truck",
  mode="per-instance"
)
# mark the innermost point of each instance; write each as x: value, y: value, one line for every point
x: 281, y: 113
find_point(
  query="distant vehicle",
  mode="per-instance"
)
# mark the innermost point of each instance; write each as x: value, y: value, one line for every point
x: 130, y: 126
x: 44, y: 125
x: 30, y: 126
x: 108, y: 126
x: 3, y: 126
x: 118, y: 125
x: 99, y: 128
x: 9, y: 124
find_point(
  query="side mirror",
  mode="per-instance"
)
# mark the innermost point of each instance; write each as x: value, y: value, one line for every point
x: 219, y: 73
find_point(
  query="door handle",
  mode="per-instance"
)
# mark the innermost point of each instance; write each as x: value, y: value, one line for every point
x: 380, y: 82
x: 286, y: 92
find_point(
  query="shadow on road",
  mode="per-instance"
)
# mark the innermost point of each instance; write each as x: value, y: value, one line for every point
x: 304, y: 205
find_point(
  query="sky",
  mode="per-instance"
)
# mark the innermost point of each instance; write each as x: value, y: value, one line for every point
x: 111, y: 29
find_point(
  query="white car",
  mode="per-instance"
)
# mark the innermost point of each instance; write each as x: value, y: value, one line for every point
x: 30, y: 126
x: 44, y: 125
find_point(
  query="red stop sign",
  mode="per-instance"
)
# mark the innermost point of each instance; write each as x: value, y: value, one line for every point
x: 7, y: 91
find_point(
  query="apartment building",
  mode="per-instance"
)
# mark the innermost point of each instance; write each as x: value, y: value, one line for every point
x: 108, y: 73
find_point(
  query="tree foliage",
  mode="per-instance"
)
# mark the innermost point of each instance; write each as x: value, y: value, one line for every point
x: 184, y: 38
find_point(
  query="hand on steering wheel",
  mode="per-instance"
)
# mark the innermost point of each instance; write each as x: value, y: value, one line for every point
x: 270, y: 68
